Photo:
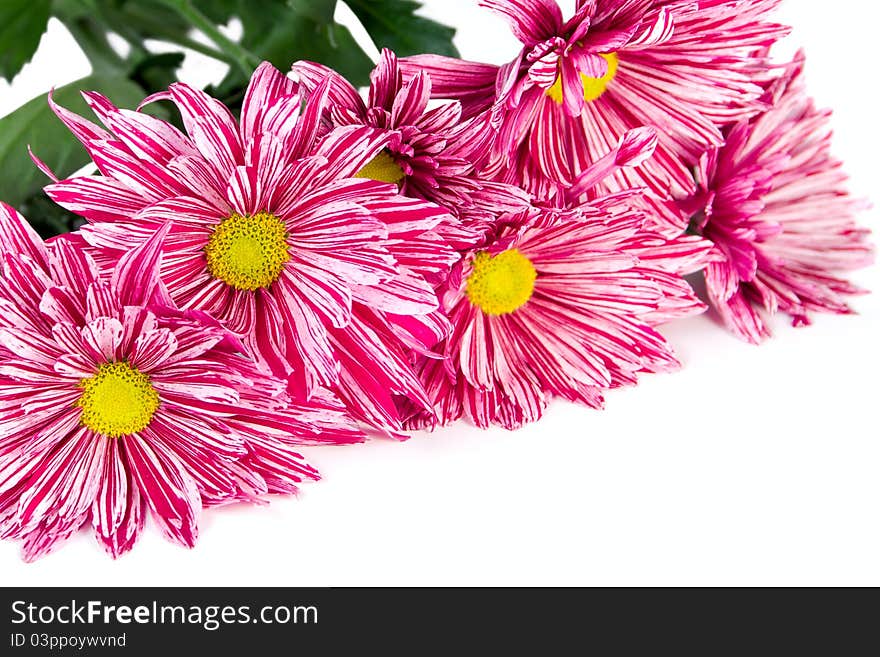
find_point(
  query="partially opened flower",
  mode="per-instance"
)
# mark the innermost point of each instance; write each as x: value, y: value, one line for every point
x: 774, y: 202
x: 324, y: 275
x: 556, y: 304
x: 433, y: 152
x: 684, y: 68
x: 114, y: 405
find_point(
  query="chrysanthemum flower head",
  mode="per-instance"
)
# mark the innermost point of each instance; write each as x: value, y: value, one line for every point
x: 557, y: 306
x: 324, y: 275
x: 775, y: 203
x: 114, y: 404
x: 560, y: 303
x: 684, y: 68
x: 432, y: 153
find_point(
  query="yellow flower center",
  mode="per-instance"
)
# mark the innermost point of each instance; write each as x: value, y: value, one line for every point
x: 117, y: 401
x: 502, y: 283
x: 248, y: 252
x: 593, y: 87
x: 382, y: 168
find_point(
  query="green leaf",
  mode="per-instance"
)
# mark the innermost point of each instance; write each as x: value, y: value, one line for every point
x: 283, y: 31
x: 320, y: 11
x: 219, y: 11
x: 394, y: 24
x: 72, y: 9
x: 151, y: 16
x: 36, y: 125
x: 156, y: 72
x: 48, y: 218
x: 22, y: 23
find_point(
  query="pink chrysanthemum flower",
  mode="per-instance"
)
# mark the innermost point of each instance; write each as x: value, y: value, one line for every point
x: 432, y: 154
x: 113, y: 404
x: 559, y: 306
x: 324, y: 275
x: 684, y: 68
x: 560, y: 303
x: 774, y: 202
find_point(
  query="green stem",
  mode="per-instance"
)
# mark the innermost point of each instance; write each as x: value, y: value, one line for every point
x: 243, y: 58
x: 155, y: 29
x: 93, y: 41
x: 115, y: 23
x: 192, y: 44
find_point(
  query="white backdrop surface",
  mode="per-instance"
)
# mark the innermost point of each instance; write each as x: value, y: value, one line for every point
x: 751, y: 466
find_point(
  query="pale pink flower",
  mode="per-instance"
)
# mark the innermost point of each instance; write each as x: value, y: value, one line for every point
x: 775, y: 203
x: 114, y: 405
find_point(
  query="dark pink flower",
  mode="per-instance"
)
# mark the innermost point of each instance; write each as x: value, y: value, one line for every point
x: 684, y: 68
x: 432, y: 151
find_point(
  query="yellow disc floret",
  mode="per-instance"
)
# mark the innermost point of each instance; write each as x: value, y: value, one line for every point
x: 593, y: 87
x: 117, y: 401
x: 382, y: 168
x: 502, y: 283
x: 248, y: 252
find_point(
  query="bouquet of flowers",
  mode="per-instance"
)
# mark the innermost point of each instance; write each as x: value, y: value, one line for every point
x: 287, y: 261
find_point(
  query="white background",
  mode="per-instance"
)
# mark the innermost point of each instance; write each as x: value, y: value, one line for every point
x: 752, y: 466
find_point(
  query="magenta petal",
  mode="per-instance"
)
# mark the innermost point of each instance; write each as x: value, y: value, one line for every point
x: 68, y: 481
x: 168, y: 491
x: 471, y: 83
x: 103, y: 336
x: 136, y: 276
x: 267, y: 86
x: 412, y: 101
x: 118, y: 511
x: 17, y: 236
x: 46, y: 538
x: 211, y: 126
x: 147, y: 137
x: 152, y: 349
x: 340, y: 92
x: 531, y: 20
